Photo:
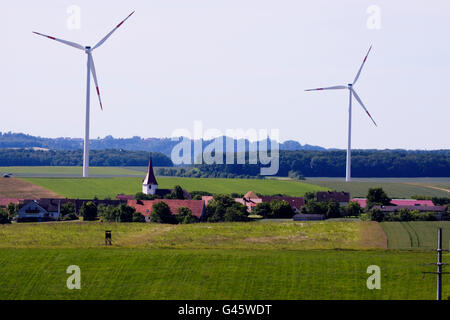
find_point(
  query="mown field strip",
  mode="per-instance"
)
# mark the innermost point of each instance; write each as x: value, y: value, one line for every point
x: 110, y: 273
x: 287, y: 235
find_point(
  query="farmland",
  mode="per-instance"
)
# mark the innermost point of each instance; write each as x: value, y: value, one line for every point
x: 109, y: 187
x: 395, y: 188
x: 17, y: 188
x: 416, y: 235
x: 258, y: 260
x: 121, y: 273
x: 238, y: 235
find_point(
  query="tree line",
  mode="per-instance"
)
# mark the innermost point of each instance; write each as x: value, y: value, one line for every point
x: 28, y: 157
x: 365, y: 163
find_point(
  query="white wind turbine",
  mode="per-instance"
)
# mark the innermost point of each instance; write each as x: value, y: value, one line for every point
x: 352, y: 92
x: 90, y: 68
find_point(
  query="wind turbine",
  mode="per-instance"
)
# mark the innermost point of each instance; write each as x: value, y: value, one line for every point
x: 352, y: 93
x: 90, y: 69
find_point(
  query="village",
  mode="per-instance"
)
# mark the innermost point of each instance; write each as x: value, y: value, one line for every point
x: 177, y: 205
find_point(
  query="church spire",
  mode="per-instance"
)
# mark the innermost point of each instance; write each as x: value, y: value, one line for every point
x: 150, y: 177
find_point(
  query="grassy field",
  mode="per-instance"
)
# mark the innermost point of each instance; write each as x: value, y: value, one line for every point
x: 287, y: 235
x: 416, y: 235
x: 257, y: 260
x: 121, y: 273
x: 109, y: 187
x: 395, y: 188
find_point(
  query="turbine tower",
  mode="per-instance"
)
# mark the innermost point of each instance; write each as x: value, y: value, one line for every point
x: 352, y: 93
x: 90, y: 69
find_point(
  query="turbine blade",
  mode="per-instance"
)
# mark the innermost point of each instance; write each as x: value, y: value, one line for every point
x: 328, y: 88
x: 362, y: 65
x: 94, y: 75
x: 109, y: 34
x: 69, y: 43
x: 362, y: 105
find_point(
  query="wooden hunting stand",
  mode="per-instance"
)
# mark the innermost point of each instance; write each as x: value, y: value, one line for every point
x: 107, y: 237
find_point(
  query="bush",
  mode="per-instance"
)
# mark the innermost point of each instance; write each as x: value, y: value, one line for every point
x: 333, y: 210
x: 138, y: 217
x: 185, y: 216
x: 263, y: 209
x: 237, y: 212
x: 143, y: 196
x: 197, y: 195
x: 4, y: 217
x: 88, y: 211
x: 68, y: 211
x: 376, y: 215
x: 353, y: 209
x: 217, y: 209
x: 12, y: 210
x: 281, y: 209
x: 377, y: 196
x: 161, y: 214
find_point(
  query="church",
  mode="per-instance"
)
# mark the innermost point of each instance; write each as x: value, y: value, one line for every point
x: 150, y: 185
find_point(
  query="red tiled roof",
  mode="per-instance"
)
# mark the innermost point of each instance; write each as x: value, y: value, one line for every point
x: 145, y: 207
x: 411, y: 208
x: 251, y: 195
x: 398, y: 202
x: 150, y: 177
x: 295, y: 202
x: 5, y: 201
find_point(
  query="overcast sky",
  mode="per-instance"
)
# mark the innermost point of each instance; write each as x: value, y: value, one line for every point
x: 231, y: 64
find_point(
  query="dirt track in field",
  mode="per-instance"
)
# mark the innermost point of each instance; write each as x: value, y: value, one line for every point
x: 373, y: 235
x: 17, y: 188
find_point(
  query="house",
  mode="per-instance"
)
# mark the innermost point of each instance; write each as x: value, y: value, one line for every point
x: 145, y: 207
x: 437, y: 209
x: 248, y: 200
x: 339, y: 196
x: 296, y: 202
x: 31, y: 210
x: 398, y: 202
x: 308, y: 217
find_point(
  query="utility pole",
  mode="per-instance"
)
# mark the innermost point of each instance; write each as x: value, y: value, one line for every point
x: 439, y: 265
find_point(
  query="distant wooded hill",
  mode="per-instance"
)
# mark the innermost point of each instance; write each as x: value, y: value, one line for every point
x: 16, y: 150
x: 163, y: 145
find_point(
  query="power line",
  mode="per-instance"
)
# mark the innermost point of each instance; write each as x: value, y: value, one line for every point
x: 439, y: 265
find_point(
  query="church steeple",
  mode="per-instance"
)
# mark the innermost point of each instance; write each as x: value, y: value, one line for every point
x: 149, y: 184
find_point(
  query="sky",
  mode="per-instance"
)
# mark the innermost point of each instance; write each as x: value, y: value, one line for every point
x: 231, y: 64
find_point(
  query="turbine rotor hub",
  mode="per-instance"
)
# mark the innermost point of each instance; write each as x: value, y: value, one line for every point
x: 87, y: 49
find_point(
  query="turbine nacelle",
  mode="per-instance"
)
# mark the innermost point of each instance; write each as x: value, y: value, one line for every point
x: 350, y: 85
x: 87, y: 49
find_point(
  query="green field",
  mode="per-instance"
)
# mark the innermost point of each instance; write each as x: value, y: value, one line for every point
x: 395, y: 188
x: 270, y: 260
x: 416, y: 235
x: 114, y: 273
x: 110, y: 187
x: 288, y: 235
